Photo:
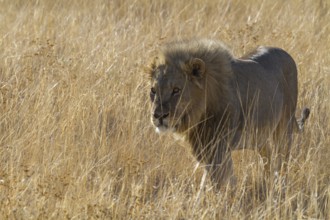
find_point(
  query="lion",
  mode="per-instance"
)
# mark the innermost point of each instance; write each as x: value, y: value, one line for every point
x: 200, y: 91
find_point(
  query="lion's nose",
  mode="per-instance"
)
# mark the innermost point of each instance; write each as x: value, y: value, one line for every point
x: 161, y: 115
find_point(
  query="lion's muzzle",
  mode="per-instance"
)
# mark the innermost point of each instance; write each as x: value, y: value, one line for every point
x: 160, y: 118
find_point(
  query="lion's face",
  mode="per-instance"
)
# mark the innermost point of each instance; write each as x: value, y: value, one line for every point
x: 176, y: 95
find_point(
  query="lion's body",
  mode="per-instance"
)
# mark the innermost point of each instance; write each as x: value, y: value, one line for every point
x: 221, y: 98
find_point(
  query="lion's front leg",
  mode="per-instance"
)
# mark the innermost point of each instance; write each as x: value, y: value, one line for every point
x: 221, y: 170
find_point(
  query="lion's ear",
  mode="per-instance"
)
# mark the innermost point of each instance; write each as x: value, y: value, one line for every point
x: 153, y: 64
x: 149, y: 70
x: 197, y: 68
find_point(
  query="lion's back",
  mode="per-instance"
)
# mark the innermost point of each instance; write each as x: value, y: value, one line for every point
x: 278, y: 61
x: 273, y: 58
x: 267, y: 81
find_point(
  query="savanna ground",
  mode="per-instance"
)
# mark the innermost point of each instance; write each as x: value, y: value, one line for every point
x: 75, y: 136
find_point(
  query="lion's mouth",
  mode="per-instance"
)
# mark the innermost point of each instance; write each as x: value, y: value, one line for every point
x: 161, y: 129
x: 170, y: 124
x: 163, y: 125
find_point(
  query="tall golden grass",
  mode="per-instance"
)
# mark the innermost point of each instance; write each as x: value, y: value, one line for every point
x: 75, y: 136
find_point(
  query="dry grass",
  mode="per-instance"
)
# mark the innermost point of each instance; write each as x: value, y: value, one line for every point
x: 75, y: 136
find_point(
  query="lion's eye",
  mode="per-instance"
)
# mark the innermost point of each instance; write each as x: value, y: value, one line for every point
x: 153, y: 91
x: 176, y: 91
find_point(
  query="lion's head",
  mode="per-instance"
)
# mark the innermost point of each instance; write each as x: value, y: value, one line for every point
x: 172, y: 87
x: 180, y: 82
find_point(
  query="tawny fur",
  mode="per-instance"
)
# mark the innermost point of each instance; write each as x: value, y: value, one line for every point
x: 201, y: 91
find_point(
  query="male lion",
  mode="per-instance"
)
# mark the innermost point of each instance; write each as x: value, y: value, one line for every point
x: 200, y: 91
